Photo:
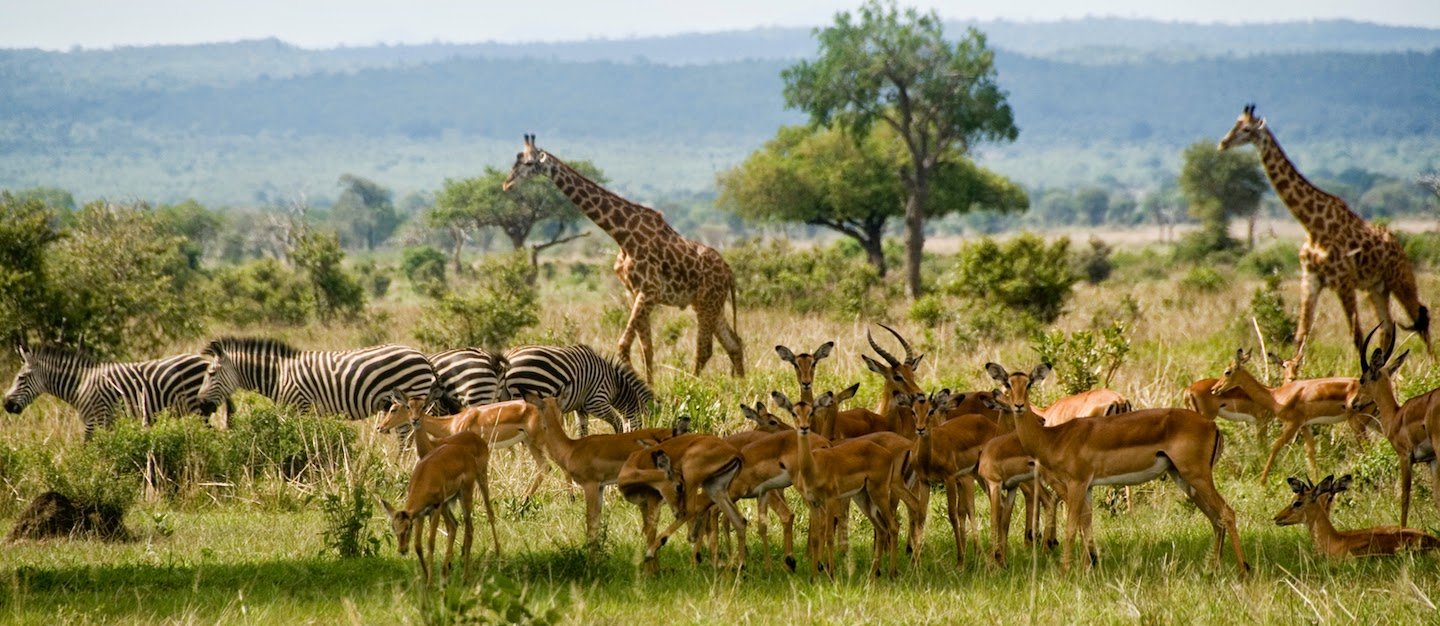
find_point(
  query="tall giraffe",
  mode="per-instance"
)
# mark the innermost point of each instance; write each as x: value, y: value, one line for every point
x: 1343, y: 252
x: 657, y: 265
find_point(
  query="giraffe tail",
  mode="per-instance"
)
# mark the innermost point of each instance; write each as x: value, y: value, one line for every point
x: 735, y: 309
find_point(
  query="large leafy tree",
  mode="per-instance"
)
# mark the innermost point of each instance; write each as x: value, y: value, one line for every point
x: 535, y: 206
x: 366, y: 211
x: 1221, y: 185
x: 896, y: 68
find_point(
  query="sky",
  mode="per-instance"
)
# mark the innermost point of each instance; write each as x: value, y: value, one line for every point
x: 63, y: 24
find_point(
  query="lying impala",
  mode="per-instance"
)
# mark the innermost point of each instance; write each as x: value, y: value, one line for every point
x: 451, y: 471
x: 1296, y: 404
x: 1312, y: 508
x: 592, y: 462
x: 1403, y: 425
x: 501, y: 425
x: 1126, y: 449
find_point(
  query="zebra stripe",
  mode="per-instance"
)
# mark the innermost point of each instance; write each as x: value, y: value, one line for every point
x: 97, y: 389
x: 581, y: 380
x: 467, y: 377
x: 354, y: 383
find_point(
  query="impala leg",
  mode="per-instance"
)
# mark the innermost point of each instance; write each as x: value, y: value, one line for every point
x: 918, y: 516
x: 720, y: 496
x: 954, y: 510
x: 1208, y: 500
x: 967, y: 508
x: 1307, y: 434
x: 467, y: 505
x: 1406, y: 470
x: 593, y: 504
x: 484, y: 484
x: 541, y: 469
x: 1002, y: 502
x: 763, y: 524
x: 1291, y: 428
x: 1075, y: 504
x: 787, y: 525
x: 420, y: 526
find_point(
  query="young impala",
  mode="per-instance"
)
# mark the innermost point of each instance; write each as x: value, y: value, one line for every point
x: 1312, y: 508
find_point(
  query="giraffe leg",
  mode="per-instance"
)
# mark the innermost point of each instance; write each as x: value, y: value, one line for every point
x: 730, y: 341
x: 1309, y: 296
x: 705, y: 316
x: 1345, y: 292
x: 639, y: 324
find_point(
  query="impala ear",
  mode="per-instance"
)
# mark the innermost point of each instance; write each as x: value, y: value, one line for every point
x: 824, y: 350
x: 998, y: 373
x: 873, y: 365
x: 1296, y: 485
x: 847, y: 393
x: 389, y: 510
x: 1394, y: 365
x: 825, y: 400
x: 782, y: 401
x: 1342, y: 484
x: 1039, y: 373
x: 749, y: 413
x: 785, y: 354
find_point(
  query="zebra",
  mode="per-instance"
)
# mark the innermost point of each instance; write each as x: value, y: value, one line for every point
x: 354, y: 383
x: 97, y: 389
x: 581, y: 380
x: 467, y: 377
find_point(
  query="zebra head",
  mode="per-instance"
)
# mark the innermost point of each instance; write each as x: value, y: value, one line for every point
x: 222, y: 378
x: 28, y: 384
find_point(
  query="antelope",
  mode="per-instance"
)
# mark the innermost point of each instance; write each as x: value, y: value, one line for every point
x: 1312, y: 508
x: 501, y: 424
x: 1296, y: 404
x: 855, y: 470
x: 896, y: 375
x: 1005, y: 467
x: 765, y: 425
x: 451, y: 471
x: 1126, y: 449
x: 1233, y: 404
x: 1092, y: 403
x: 765, y: 472
x: 692, y: 472
x: 804, y: 365
x: 592, y: 462
x: 947, y: 453
x: 1403, y: 425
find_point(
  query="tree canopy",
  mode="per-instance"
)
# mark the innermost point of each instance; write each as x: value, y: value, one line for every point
x: 1221, y: 185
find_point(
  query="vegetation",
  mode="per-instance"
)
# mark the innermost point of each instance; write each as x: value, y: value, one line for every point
x: 489, y: 314
x: 1220, y: 186
x: 897, y: 69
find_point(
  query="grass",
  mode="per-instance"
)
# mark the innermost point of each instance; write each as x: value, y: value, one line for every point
x: 245, y: 554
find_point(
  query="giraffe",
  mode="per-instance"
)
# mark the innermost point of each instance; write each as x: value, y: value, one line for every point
x: 1343, y: 252
x: 656, y: 264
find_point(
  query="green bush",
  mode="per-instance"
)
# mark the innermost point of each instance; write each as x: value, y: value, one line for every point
x: 1268, y: 306
x: 1203, y: 279
x: 1083, y: 359
x: 502, y: 304
x: 375, y: 279
x: 930, y: 311
x: 347, y: 513
x: 90, y: 481
x: 294, y: 444
x: 1024, y: 274
x: 1422, y: 248
x: 262, y: 292
x: 184, y: 452
x: 424, y: 267
x: 1094, y: 262
x: 1277, y: 259
x: 335, y: 293
x: 834, y: 279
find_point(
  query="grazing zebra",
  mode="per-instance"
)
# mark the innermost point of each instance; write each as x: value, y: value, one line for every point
x: 467, y: 377
x: 581, y: 380
x: 354, y: 383
x: 97, y: 389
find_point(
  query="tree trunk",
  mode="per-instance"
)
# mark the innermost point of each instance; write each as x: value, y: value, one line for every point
x: 1250, y: 234
x: 915, y: 234
x: 457, y: 238
x: 874, y: 247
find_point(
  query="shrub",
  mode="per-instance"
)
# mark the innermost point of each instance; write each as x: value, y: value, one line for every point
x: 1024, y: 274
x: 1083, y: 359
x: 1268, y: 306
x: 424, y: 267
x: 262, y: 292
x: 90, y: 482
x: 1203, y: 279
x: 335, y: 292
x: 294, y: 444
x: 833, y: 279
x: 1277, y: 259
x: 502, y: 304
x: 174, y: 454
x: 497, y: 599
x: 1094, y: 263
x: 1422, y: 248
x: 373, y: 278
x: 929, y: 311
x: 347, y: 515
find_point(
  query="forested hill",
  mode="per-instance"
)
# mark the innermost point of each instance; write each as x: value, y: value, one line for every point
x: 221, y: 121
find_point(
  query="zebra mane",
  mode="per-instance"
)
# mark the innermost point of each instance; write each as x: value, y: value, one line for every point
x: 249, y: 344
x: 56, y: 353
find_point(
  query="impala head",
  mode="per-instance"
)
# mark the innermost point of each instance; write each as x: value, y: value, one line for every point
x: 804, y: 412
x: 538, y: 421
x: 402, y: 411
x: 1311, y: 501
x: 681, y: 426
x: 1248, y: 128
x: 402, y: 523
x: 928, y: 409
x: 27, y: 385
x: 662, y: 463
x: 763, y: 420
x: 1228, y: 378
x: 804, y: 364
x: 1376, y: 372
x: 897, y: 374
x: 527, y: 162
x: 1014, y: 392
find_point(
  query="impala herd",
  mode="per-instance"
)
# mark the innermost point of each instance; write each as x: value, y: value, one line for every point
x: 913, y: 442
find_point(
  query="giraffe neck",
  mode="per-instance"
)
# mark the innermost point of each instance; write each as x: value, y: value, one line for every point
x: 611, y: 212
x: 1308, y: 203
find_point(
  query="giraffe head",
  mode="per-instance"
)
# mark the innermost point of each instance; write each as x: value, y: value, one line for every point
x: 528, y: 161
x: 1247, y: 129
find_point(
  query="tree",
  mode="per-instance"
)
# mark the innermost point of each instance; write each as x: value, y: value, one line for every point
x: 334, y: 290
x: 471, y: 204
x: 1220, y: 185
x: 366, y: 211
x: 27, y: 231
x: 897, y: 69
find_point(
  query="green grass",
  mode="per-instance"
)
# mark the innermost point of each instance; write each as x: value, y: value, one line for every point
x: 253, y: 552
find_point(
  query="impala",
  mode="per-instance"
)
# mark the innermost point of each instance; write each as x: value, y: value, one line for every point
x: 692, y: 472
x: 1126, y: 449
x: 1233, y: 404
x: 1006, y: 467
x: 804, y: 365
x: 897, y: 376
x: 1296, y: 404
x: 451, y: 471
x: 501, y: 425
x: 1403, y: 425
x: 1312, y: 508
x: 592, y: 462
x: 944, y: 453
x: 765, y: 425
x: 765, y: 472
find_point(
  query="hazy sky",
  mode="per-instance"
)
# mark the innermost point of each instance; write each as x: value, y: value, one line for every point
x: 60, y: 24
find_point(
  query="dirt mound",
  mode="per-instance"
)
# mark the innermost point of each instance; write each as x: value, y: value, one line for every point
x: 52, y: 514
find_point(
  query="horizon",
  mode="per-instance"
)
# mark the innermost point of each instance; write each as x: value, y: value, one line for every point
x: 370, y: 23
